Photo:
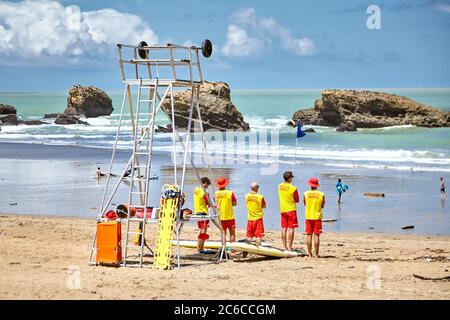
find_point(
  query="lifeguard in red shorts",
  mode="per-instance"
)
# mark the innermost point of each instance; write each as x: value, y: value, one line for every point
x: 255, y: 205
x: 289, y: 198
x: 226, y: 200
x: 201, y: 204
x: 314, y: 201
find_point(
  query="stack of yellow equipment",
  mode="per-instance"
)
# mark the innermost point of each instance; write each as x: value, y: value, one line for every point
x: 166, y: 226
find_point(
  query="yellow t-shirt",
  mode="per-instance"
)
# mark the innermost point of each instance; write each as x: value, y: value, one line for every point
x: 225, y: 204
x: 313, y: 200
x: 254, y: 206
x: 286, y: 194
x: 200, y: 204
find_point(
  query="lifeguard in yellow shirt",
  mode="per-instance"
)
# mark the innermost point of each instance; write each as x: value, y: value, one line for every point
x: 201, y: 204
x: 314, y: 201
x: 288, y: 208
x: 255, y: 205
x: 226, y: 200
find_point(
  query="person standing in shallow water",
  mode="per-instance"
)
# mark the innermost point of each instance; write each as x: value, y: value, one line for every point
x: 340, y: 189
x: 98, y: 173
x: 443, y: 193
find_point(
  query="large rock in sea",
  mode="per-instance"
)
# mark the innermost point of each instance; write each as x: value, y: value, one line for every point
x: 351, y: 109
x: 89, y: 102
x: 217, y: 110
x: 8, y: 115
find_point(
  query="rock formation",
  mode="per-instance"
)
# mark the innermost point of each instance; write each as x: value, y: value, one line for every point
x: 8, y: 115
x: 7, y: 109
x: 51, y: 115
x: 351, y: 109
x: 217, y: 110
x: 69, y: 119
x: 90, y: 102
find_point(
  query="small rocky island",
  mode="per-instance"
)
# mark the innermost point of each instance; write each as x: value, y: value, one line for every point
x: 8, y: 117
x: 351, y: 109
x: 88, y: 102
x: 217, y: 110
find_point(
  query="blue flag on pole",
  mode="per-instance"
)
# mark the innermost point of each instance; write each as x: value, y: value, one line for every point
x: 300, y: 132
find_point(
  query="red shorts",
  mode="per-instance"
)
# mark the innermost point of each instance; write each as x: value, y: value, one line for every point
x: 255, y: 229
x: 289, y: 220
x: 203, y: 225
x: 313, y: 226
x: 228, y: 224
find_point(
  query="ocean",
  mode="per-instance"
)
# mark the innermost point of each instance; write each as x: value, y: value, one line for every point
x: 403, y: 148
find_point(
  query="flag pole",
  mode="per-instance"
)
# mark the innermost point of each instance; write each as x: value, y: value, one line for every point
x: 300, y: 134
x: 295, y: 154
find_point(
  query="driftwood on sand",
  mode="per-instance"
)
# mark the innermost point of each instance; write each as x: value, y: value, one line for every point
x: 431, y: 278
x: 374, y: 194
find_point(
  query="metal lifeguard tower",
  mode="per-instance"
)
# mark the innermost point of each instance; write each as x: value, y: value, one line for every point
x: 154, y: 72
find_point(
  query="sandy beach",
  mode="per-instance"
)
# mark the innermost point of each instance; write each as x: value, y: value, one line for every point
x: 36, y: 252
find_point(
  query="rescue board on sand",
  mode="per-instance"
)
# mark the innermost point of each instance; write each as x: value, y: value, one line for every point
x: 264, y: 250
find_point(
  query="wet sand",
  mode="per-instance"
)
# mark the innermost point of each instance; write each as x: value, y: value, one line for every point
x: 36, y: 252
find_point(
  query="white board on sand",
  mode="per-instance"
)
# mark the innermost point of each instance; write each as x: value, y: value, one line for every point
x: 263, y: 250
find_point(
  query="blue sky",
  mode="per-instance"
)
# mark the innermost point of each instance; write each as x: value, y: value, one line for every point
x: 49, y: 46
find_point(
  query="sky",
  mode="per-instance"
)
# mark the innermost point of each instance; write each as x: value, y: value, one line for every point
x: 285, y: 44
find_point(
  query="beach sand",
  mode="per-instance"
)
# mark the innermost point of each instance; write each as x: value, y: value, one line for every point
x: 36, y: 252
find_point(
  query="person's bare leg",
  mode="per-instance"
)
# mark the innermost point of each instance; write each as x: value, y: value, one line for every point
x: 309, y: 244
x: 316, y: 244
x: 283, y: 237
x: 290, y: 236
x: 233, y: 235
x: 258, y: 241
x: 200, y: 244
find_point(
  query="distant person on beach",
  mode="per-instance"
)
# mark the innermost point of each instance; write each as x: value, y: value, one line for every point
x: 255, y: 205
x: 226, y: 200
x: 99, y: 174
x: 340, y: 189
x: 314, y: 201
x: 289, y: 198
x: 201, y: 204
x: 443, y: 193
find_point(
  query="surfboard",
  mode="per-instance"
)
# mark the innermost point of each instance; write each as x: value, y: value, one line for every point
x: 264, y: 250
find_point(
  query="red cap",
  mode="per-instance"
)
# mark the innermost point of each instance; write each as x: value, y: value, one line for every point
x: 313, y: 182
x: 221, y: 182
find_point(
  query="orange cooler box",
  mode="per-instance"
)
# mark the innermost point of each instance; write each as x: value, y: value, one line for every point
x: 109, y: 243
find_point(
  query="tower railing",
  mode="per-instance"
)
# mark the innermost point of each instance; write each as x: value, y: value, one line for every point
x: 179, y: 65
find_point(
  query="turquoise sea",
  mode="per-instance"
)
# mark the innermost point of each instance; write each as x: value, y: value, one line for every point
x: 397, y: 148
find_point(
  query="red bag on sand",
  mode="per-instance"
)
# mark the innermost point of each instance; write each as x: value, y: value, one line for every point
x: 111, y: 215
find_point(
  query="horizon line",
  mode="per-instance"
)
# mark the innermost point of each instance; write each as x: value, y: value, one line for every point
x: 255, y: 89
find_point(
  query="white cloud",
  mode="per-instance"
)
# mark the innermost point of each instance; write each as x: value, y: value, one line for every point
x: 444, y: 7
x: 249, y: 34
x: 34, y: 31
x: 239, y: 44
